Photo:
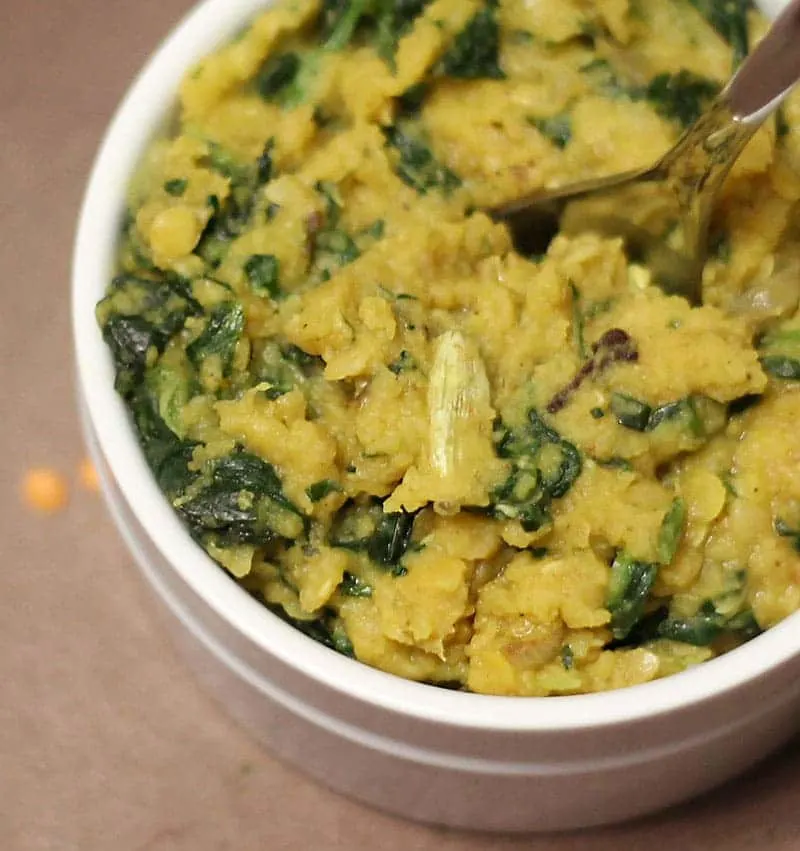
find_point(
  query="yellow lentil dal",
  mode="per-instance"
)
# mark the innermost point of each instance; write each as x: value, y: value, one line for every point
x: 343, y: 375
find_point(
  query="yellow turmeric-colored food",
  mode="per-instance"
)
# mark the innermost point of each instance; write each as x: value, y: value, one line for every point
x: 515, y: 475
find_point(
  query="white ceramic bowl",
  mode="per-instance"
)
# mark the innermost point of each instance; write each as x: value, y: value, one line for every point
x: 451, y: 758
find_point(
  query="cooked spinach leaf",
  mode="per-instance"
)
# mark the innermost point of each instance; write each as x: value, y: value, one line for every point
x: 780, y: 366
x: 385, y: 538
x: 729, y: 19
x: 242, y: 502
x: 616, y: 463
x: 781, y: 353
x: 707, y: 625
x: 403, y: 363
x: 671, y: 532
x: 139, y: 314
x: 327, y: 629
x: 631, y: 413
x: 171, y: 387
x: 629, y: 588
x: 220, y: 336
x: 263, y: 272
x: 285, y: 368
x: 784, y: 530
x: 557, y: 128
x: 330, y: 246
x: 410, y: 102
x: 474, y: 53
x: 544, y: 467
x: 353, y: 586
x: 319, y: 490
x: 698, y: 415
x: 167, y: 455
x: 380, y: 23
x: 681, y: 97
x: 276, y: 73
x: 176, y: 187
x: 130, y: 338
x: 606, y: 80
x: 416, y: 165
x: 230, y: 219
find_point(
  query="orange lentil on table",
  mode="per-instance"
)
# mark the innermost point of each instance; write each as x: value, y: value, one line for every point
x: 45, y: 489
x: 87, y: 475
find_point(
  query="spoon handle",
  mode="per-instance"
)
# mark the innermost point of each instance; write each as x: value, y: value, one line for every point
x: 771, y: 70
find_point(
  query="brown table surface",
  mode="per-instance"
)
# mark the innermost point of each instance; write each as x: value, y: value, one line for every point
x: 106, y: 743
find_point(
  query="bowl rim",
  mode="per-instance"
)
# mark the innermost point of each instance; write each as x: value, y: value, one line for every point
x: 144, y: 109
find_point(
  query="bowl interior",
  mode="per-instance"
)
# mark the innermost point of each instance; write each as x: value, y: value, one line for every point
x: 142, y: 114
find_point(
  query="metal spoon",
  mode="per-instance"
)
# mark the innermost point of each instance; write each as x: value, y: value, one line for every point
x: 663, y: 212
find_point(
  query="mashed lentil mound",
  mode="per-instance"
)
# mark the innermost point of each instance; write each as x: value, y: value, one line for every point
x: 509, y: 474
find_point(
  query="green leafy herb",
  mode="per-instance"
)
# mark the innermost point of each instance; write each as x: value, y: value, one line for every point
x: 319, y: 490
x: 417, y: 166
x: 385, y: 538
x: 615, y: 463
x: 578, y: 322
x: 557, y: 128
x: 630, y: 412
x: 222, y: 161
x: 139, y: 314
x: 729, y: 19
x: 391, y: 20
x: 381, y: 23
x: 220, y: 336
x: 707, y: 626
x: 327, y: 630
x: 784, y: 530
x: 242, y: 502
x: 377, y: 229
x: 167, y: 455
x: 340, y: 641
x: 391, y: 538
x: 354, y: 586
x: 567, y: 658
x: 285, y: 368
x: 410, y: 102
x: 331, y: 247
x: 606, y: 81
x: 170, y: 386
x: 781, y: 353
x: 263, y: 272
x: 176, y: 187
x: 544, y: 467
x: 669, y: 536
x: 681, y: 97
x: 404, y: 363
x: 130, y: 338
x: 339, y: 246
x: 780, y: 366
x: 698, y: 415
x: 230, y: 220
x: 393, y: 296
x: 629, y: 587
x: 276, y: 73
x: 474, y: 53
x: 782, y: 126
